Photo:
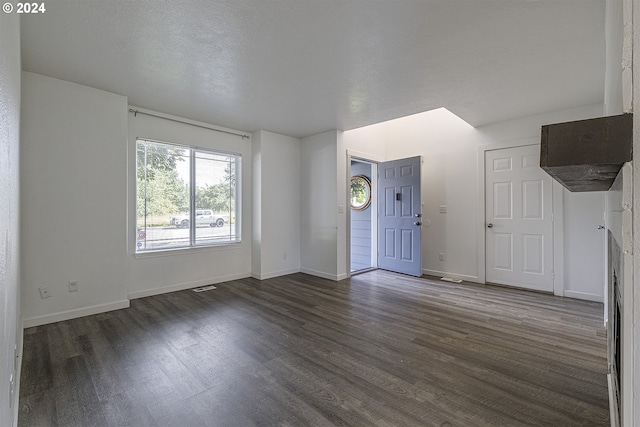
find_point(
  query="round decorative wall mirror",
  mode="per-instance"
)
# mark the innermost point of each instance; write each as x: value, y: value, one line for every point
x: 360, y: 192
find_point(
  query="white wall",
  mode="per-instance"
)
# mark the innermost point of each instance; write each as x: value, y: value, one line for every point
x: 154, y: 273
x: 449, y: 147
x: 568, y: 276
x: 80, y: 159
x: 73, y: 188
x: 631, y: 329
x: 584, y: 246
x: 319, y: 181
x: 613, y: 72
x: 529, y: 127
x: 276, y: 205
x: 342, y: 200
x: 368, y: 143
x: 78, y: 204
x: 256, y: 205
x: 10, y: 324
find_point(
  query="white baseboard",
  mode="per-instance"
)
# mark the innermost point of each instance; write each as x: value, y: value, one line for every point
x: 271, y: 275
x: 187, y: 285
x: 322, y: 274
x: 464, y: 277
x: 583, y: 295
x: 73, y: 314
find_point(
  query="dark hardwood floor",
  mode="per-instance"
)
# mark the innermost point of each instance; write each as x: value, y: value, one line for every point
x: 379, y: 349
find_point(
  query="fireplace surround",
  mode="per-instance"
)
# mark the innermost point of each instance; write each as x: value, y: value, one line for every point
x: 619, y: 307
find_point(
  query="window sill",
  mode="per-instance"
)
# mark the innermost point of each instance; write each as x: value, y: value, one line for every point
x: 189, y: 250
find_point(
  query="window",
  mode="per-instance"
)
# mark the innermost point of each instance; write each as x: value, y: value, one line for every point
x: 185, y: 197
x: 360, y: 192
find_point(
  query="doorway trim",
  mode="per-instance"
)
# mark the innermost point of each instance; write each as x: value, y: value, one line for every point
x: 557, y: 215
x: 374, y: 160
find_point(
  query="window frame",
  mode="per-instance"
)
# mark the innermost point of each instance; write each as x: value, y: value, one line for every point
x: 235, y: 213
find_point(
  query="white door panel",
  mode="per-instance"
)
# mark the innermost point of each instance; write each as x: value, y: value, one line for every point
x: 519, y: 233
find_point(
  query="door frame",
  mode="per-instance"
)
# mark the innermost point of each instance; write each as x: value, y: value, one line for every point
x: 369, y: 158
x: 557, y: 215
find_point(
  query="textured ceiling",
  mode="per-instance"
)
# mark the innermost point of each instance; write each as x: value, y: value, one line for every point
x: 300, y: 67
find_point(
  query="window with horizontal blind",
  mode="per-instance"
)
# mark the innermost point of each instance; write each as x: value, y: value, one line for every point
x: 185, y: 197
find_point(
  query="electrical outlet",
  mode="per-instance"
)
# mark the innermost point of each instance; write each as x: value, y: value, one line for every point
x: 73, y: 286
x: 443, y: 209
x: 45, y: 292
x: 441, y: 256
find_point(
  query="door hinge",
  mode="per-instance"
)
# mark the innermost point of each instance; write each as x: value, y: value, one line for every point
x: 553, y: 274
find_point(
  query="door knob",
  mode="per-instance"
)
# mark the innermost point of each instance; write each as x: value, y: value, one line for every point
x: 600, y: 227
x: 490, y: 225
x: 418, y: 223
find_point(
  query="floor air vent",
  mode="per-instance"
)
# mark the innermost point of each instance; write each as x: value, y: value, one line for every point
x: 449, y: 279
x: 204, y: 288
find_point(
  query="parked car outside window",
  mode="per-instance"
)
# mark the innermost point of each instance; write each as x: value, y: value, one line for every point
x: 204, y: 217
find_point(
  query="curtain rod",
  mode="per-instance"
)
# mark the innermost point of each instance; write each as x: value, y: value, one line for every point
x: 136, y: 112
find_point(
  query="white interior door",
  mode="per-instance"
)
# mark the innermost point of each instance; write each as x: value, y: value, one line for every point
x: 519, y: 223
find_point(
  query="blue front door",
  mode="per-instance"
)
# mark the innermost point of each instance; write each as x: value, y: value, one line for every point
x: 400, y: 216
